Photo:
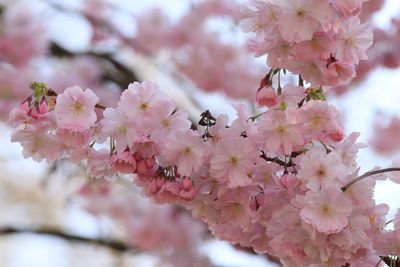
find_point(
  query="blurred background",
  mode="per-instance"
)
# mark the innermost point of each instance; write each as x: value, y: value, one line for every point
x: 54, y: 215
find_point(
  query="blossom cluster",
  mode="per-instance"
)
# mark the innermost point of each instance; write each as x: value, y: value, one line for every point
x: 321, y: 40
x: 272, y: 182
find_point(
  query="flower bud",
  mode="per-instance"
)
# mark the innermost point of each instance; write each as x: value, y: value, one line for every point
x: 266, y: 97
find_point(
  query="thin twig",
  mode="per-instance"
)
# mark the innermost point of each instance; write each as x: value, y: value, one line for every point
x: 367, y: 174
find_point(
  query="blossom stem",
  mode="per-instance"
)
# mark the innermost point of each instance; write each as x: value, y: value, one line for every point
x: 367, y: 174
x: 279, y: 83
x: 276, y: 160
x: 253, y: 118
x: 301, y: 82
x: 392, y: 220
x: 100, y: 106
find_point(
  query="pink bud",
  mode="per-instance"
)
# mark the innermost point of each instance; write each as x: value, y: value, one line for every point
x: 188, y: 195
x: 337, y: 136
x: 391, y: 60
x: 186, y: 183
x: 160, y: 182
x: 153, y: 188
x: 137, y: 156
x: 150, y: 162
x: 24, y: 106
x: 141, y: 167
x: 43, y: 107
x: 266, y: 97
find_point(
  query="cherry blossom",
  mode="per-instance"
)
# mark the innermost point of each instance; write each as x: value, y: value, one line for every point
x: 328, y: 210
x: 75, y: 108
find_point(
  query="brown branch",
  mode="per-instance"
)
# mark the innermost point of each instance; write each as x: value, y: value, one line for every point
x: 108, y: 243
x: 113, y: 70
x: 277, y: 160
x: 367, y: 174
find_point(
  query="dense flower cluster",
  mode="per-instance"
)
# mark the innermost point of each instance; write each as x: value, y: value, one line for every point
x: 272, y: 182
x: 321, y: 40
x: 281, y: 182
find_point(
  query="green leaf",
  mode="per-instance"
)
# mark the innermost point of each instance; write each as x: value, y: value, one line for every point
x: 283, y: 106
x: 317, y: 94
x: 39, y: 89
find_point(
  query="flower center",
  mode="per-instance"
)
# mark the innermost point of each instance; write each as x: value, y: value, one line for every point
x: 300, y: 12
x: 121, y: 129
x: 235, y: 209
x: 234, y: 161
x: 350, y: 42
x: 317, y: 122
x: 187, y: 150
x: 321, y: 173
x: 325, y: 210
x: 281, y: 130
x: 78, y: 108
x: 165, y: 123
x: 144, y: 106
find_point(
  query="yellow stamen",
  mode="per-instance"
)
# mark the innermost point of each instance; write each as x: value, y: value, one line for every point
x: 234, y: 161
x: 78, y: 108
x: 144, y: 106
x: 187, y: 150
x: 325, y: 210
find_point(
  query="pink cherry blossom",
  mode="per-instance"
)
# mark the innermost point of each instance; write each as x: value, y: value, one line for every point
x: 348, y: 149
x: 339, y: 72
x: 320, y: 46
x: 232, y: 164
x: 280, y: 131
x: 320, y: 121
x: 119, y: 127
x: 75, y: 108
x: 291, y: 95
x: 186, y: 151
x: 37, y: 143
x: 348, y: 7
x: 74, y: 138
x: 266, y: 97
x: 301, y: 18
x: 320, y: 170
x: 99, y: 164
x: 353, y: 41
x: 262, y: 18
x: 327, y: 210
x: 123, y: 162
x: 142, y: 100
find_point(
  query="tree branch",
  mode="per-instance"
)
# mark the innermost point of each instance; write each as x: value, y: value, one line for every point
x: 108, y: 243
x: 367, y: 174
x: 119, y: 73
